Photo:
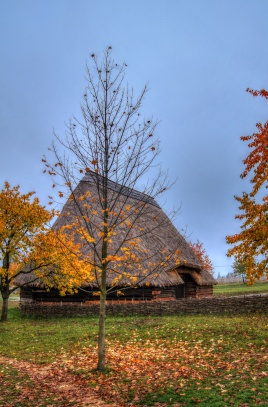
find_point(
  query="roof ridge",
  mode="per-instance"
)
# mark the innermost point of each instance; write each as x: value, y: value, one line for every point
x: 122, y: 189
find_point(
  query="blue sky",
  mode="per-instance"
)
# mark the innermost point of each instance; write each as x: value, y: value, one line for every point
x: 198, y: 56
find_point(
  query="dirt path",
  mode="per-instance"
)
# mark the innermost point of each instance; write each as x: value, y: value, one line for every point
x: 58, y: 382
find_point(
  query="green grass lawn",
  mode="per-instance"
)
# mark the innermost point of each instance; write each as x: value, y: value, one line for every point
x: 216, y: 361
x: 240, y: 289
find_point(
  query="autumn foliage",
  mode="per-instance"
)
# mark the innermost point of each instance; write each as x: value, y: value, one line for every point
x: 202, y: 255
x: 22, y: 221
x: 29, y: 248
x: 250, y: 246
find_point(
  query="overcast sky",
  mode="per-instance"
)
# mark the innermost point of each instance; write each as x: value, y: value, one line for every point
x: 199, y: 56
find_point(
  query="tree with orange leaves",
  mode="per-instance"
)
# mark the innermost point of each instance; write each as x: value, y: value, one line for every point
x: 202, y: 255
x: 250, y: 246
x: 29, y: 247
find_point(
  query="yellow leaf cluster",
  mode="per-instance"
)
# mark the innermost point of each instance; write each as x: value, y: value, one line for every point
x: 28, y: 244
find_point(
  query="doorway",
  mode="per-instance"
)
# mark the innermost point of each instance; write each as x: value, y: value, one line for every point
x: 180, y: 291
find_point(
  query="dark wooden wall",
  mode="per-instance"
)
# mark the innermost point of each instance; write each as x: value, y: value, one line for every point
x: 188, y: 290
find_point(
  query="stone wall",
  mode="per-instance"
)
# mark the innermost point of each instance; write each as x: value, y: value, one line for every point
x: 216, y: 305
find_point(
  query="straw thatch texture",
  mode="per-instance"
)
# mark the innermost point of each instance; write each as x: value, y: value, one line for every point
x: 135, y: 218
x: 157, y: 240
x: 27, y: 278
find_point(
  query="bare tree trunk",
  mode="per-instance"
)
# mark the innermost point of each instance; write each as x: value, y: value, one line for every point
x: 101, y: 342
x: 102, y: 319
x: 4, y: 308
x: 102, y: 316
x: 4, y: 286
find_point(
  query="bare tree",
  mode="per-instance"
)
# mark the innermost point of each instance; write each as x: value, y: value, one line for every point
x: 113, y: 147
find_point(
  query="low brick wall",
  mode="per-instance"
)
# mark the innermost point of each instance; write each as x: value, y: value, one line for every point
x: 213, y: 305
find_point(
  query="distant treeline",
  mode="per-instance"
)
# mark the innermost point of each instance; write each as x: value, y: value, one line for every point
x: 230, y: 278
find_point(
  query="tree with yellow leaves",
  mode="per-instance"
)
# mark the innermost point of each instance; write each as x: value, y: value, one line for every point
x: 29, y: 248
x: 110, y: 144
x: 250, y: 246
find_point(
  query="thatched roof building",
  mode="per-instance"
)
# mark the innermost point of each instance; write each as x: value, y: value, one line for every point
x: 166, y: 266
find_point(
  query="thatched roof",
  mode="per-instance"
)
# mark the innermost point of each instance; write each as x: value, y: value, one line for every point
x: 28, y: 279
x: 156, y: 236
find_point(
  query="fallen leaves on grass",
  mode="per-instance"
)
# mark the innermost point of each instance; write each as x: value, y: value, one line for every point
x: 182, y: 362
x: 135, y: 368
x: 27, y: 384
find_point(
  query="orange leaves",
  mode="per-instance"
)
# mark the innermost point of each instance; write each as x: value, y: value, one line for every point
x: 143, y: 363
x: 257, y: 159
x: 202, y: 256
x: 22, y: 221
x: 113, y: 257
x: 26, y: 241
x: 133, y: 243
x: 20, y: 215
x: 67, y: 269
x: 261, y: 92
x: 251, y: 244
x: 147, y: 356
x: 83, y: 233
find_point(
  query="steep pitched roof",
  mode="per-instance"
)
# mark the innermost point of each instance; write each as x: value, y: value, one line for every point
x: 156, y: 236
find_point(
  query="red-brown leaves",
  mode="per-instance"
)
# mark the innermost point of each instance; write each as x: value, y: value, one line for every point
x: 251, y: 244
x: 261, y: 92
x: 202, y: 256
x: 151, y: 365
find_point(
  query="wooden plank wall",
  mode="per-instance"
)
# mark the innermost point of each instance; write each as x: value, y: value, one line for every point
x: 133, y: 294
